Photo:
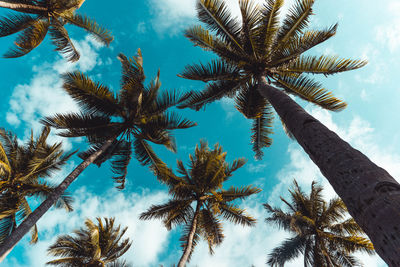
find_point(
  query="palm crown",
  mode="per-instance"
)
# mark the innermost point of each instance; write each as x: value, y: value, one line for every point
x: 97, y: 245
x: 23, y: 173
x: 136, y: 115
x: 49, y: 16
x: 201, y: 184
x: 259, y: 46
x: 321, y: 231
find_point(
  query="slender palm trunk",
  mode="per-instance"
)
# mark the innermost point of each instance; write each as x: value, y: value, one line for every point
x: 189, y: 244
x: 371, y: 195
x: 31, y: 220
x: 21, y: 7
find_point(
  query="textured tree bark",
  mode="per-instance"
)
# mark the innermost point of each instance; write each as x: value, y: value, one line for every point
x: 186, y: 252
x: 31, y: 220
x: 371, y: 194
x: 21, y: 7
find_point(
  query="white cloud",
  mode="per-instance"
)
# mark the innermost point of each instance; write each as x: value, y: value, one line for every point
x: 149, y: 237
x: 43, y: 95
x: 389, y: 34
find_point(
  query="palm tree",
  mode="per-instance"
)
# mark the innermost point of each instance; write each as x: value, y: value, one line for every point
x: 97, y: 245
x: 114, y: 125
x: 24, y: 173
x: 261, y: 51
x: 41, y: 16
x: 201, y: 185
x: 321, y: 231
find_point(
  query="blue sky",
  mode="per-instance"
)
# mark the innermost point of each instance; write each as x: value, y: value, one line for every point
x: 31, y: 88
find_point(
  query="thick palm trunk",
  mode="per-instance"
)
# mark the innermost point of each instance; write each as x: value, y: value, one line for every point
x: 188, y: 249
x: 32, y: 219
x: 371, y: 195
x: 21, y: 7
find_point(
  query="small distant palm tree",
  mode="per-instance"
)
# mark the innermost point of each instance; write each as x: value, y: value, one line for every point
x: 98, y: 245
x: 115, y: 125
x: 47, y: 16
x: 24, y: 173
x: 201, y: 185
x: 321, y: 231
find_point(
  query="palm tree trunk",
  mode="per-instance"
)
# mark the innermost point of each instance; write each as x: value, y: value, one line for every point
x: 371, y: 195
x: 189, y: 244
x: 31, y: 220
x: 21, y: 7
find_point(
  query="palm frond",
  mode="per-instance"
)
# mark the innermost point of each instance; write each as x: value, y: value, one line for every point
x: 213, y: 91
x: 323, y: 65
x: 100, y: 34
x: 243, y: 192
x: 250, y: 19
x: 235, y: 165
x: 145, y: 154
x: 15, y: 23
x: 61, y: 40
x: 236, y: 215
x: 215, y: 70
x: 269, y: 26
x: 249, y: 102
x: 287, y: 251
x: 81, y: 124
x: 212, y: 229
x: 295, y: 21
x: 261, y: 129
x: 120, y: 162
x: 91, y: 96
x: 311, y: 91
x: 215, y: 14
x: 29, y: 39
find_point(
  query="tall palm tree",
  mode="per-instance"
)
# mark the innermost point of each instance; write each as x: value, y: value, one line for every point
x: 260, y: 61
x: 96, y: 245
x: 114, y: 126
x: 201, y: 185
x: 36, y: 18
x: 321, y: 231
x: 24, y: 173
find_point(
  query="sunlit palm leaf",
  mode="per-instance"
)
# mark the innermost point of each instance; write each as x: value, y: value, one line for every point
x: 89, y: 95
x: 101, y: 34
x: 323, y: 65
x: 295, y: 21
x: 217, y: 17
x: 215, y: 70
x: 311, y: 91
x: 29, y: 39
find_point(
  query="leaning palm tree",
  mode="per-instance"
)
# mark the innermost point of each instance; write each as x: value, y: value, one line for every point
x: 114, y: 126
x: 260, y: 61
x: 321, y: 231
x: 96, y: 245
x: 36, y: 18
x: 24, y: 173
x: 201, y: 185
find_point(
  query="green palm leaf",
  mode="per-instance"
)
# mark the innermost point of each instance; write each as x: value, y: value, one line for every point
x: 290, y: 249
x: 261, y: 129
x: 215, y: 70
